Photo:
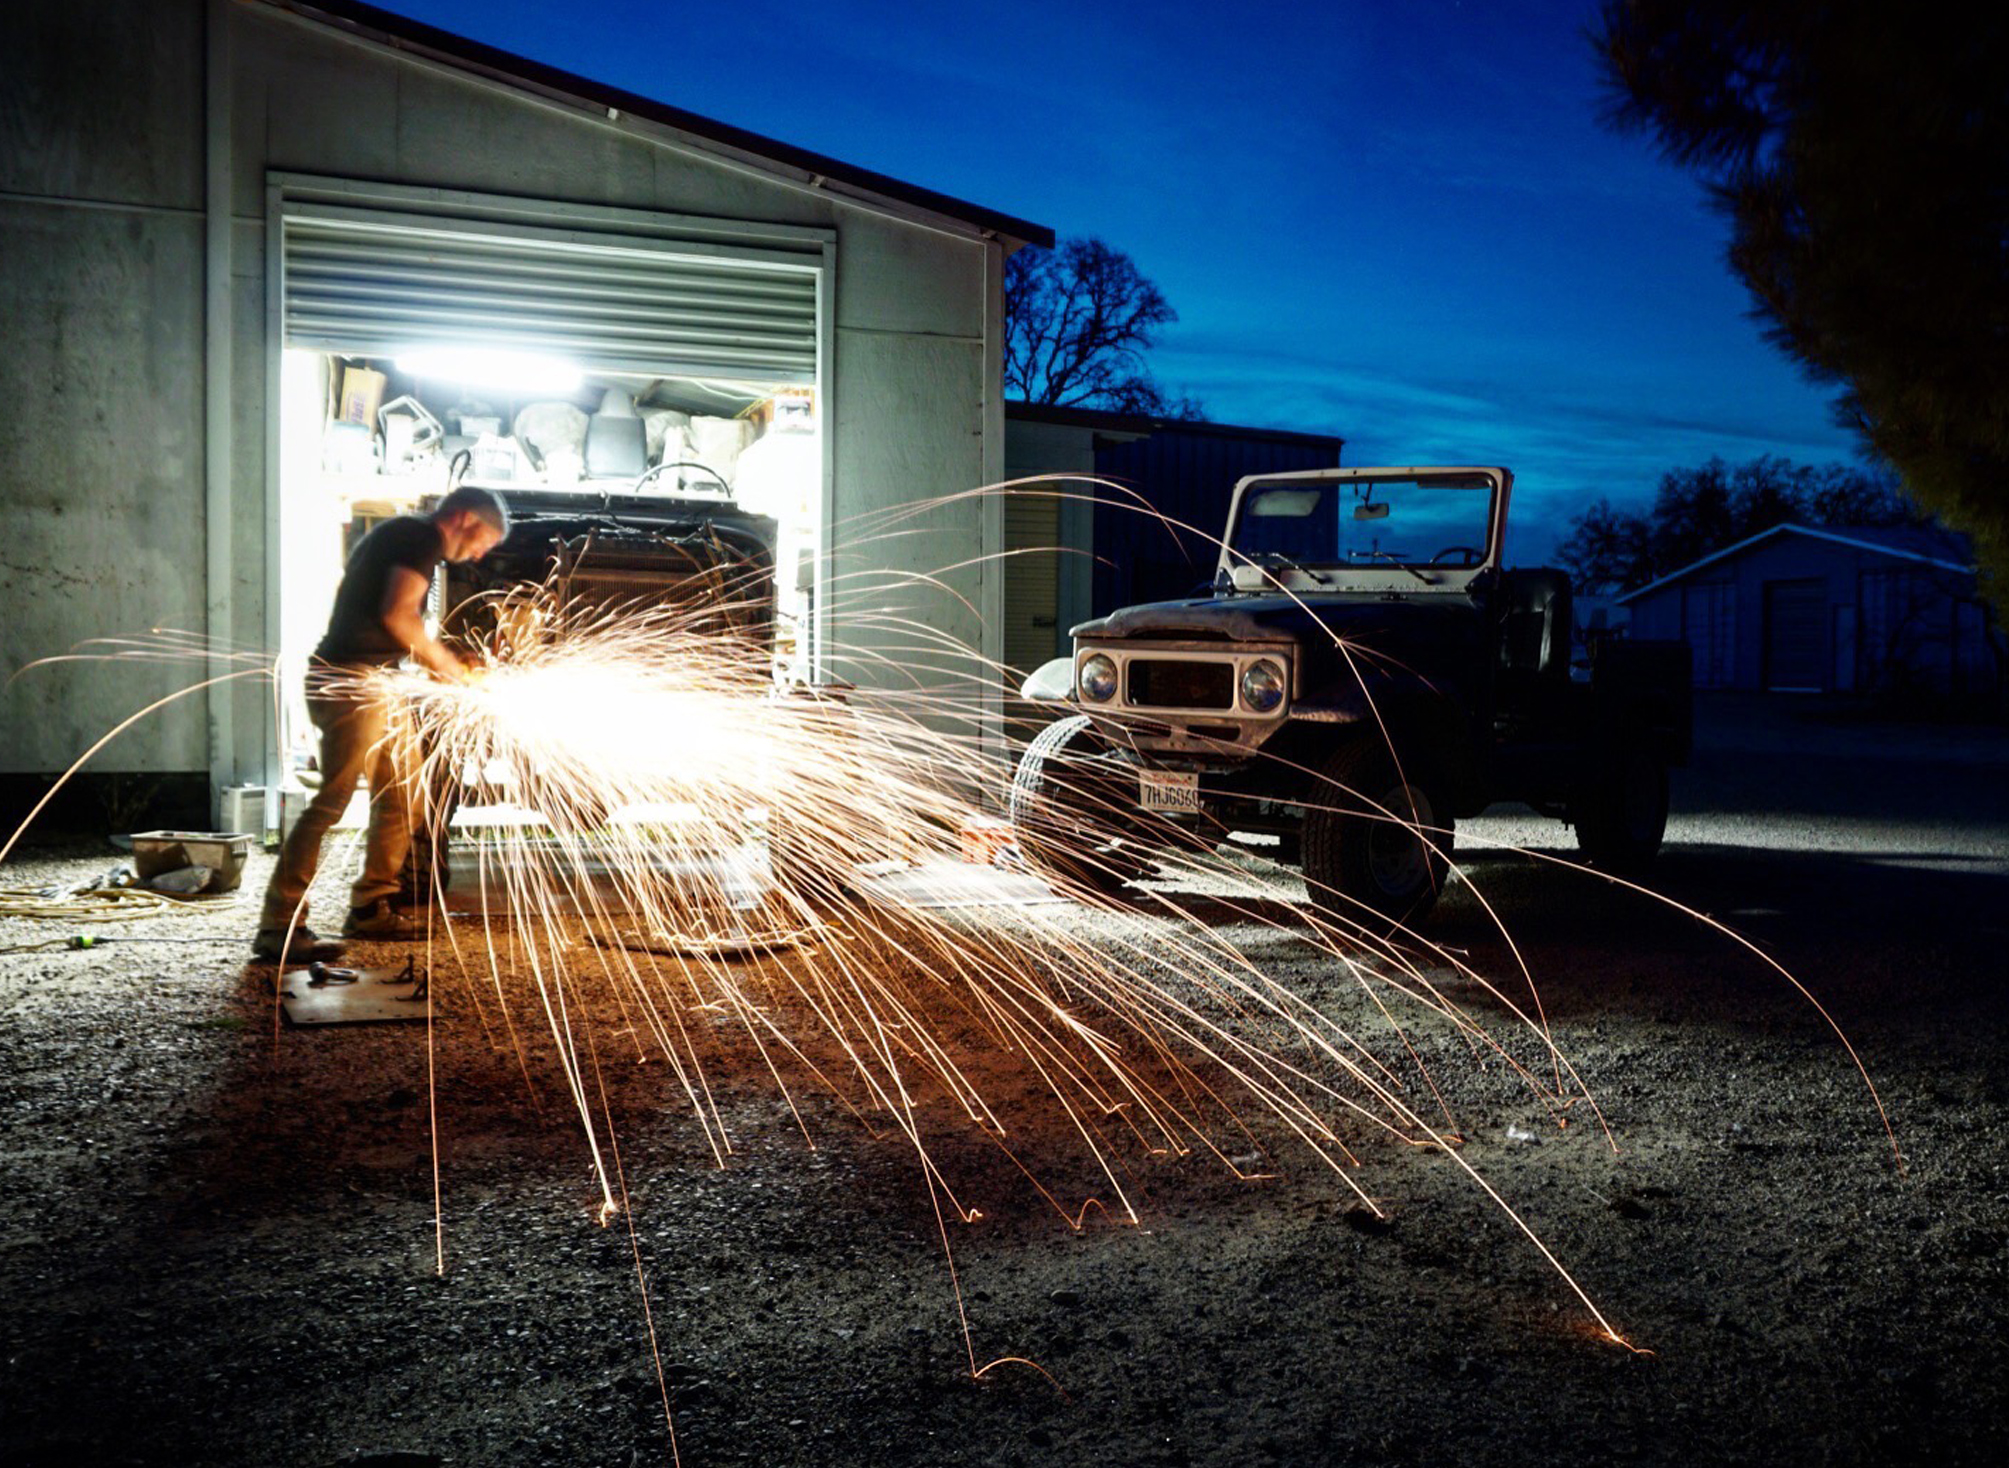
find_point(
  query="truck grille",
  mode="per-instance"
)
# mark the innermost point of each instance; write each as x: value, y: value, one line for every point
x: 1165, y: 684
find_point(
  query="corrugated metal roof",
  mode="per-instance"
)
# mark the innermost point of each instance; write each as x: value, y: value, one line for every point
x: 404, y: 34
x: 1941, y: 549
x: 1928, y: 542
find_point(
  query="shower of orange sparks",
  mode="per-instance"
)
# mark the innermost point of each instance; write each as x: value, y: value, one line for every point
x: 636, y: 741
x: 648, y: 749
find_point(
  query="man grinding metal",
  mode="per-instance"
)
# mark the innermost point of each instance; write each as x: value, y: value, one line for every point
x: 378, y: 620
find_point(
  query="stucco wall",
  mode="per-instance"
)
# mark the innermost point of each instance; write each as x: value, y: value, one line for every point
x: 103, y: 369
x: 101, y: 447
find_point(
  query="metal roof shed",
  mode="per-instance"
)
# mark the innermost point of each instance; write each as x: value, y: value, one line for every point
x: 1152, y: 536
x: 173, y: 175
x: 1826, y: 609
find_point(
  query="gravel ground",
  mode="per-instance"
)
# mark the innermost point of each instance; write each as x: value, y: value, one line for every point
x: 217, y: 1238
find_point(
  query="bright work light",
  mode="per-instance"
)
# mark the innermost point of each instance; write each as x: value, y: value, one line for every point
x: 493, y: 368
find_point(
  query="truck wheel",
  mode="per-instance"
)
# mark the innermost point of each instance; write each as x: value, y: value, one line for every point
x: 1620, y: 814
x: 1359, y: 864
x: 1069, y: 816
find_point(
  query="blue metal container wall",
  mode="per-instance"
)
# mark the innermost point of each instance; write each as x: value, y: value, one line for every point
x: 1185, y: 473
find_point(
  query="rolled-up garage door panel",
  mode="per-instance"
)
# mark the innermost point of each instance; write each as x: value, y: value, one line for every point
x: 376, y: 285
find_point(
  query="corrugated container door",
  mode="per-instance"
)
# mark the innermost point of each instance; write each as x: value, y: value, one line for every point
x: 1709, y: 627
x: 1032, y: 633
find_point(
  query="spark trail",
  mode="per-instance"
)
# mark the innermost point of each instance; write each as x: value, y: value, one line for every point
x: 638, y: 746
x: 674, y: 843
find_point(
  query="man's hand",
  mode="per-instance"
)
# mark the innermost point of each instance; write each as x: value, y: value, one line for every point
x: 456, y: 667
x: 404, y: 618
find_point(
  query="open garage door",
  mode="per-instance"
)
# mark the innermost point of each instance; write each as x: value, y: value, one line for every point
x: 377, y: 284
x: 582, y: 361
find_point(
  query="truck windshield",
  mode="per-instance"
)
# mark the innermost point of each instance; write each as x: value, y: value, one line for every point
x: 1437, y: 521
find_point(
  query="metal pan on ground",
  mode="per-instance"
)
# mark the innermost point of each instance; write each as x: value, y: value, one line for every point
x: 326, y: 994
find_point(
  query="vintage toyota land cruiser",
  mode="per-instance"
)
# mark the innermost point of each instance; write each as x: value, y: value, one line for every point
x: 1361, y: 675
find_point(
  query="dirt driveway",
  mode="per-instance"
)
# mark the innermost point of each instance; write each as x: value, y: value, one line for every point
x: 217, y: 1242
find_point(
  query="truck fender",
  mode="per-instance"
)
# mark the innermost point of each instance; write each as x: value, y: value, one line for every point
x: 1050, y: 682
x: 1430, y: 735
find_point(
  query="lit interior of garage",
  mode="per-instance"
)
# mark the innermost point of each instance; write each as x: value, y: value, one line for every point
x: 424, y: 352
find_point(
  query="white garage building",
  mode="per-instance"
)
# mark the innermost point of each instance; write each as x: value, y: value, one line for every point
x: 234, y: 234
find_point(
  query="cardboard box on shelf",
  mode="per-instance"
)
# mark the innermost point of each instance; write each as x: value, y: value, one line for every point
x: 362, y: 395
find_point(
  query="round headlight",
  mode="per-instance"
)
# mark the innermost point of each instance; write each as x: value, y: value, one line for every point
x: 1098, y: 678
x: 1262, y: 686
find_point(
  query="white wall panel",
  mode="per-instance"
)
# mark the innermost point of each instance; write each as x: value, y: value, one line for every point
x: 909, y: 280
x: 100, y: 474
x: 102, y: 101
x: 908, y: 426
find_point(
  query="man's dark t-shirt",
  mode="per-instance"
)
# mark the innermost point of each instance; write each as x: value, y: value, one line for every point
x: 356, y: 634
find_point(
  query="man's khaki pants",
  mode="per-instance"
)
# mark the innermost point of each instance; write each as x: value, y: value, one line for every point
x: 352, y: 746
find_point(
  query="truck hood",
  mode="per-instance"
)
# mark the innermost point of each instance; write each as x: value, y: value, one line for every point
x: 1314, y: 620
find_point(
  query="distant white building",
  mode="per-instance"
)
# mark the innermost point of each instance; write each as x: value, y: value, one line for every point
x: 1821, y: 609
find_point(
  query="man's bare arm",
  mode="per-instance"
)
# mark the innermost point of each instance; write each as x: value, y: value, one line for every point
x: 403, y: 614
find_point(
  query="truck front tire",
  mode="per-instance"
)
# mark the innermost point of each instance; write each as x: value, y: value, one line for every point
x: 1377, y: 845
x: 1069, y: 816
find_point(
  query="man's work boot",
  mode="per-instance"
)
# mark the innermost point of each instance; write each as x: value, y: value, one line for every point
x: 418, y: 898
x: 380, y: 923
x: 299, y: 944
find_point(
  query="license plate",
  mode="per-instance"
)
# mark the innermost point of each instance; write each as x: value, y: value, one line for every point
x: 1168, y: 790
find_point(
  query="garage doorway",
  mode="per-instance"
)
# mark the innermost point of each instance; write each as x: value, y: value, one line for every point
x: 1796, y: 617
x: 596, y: 354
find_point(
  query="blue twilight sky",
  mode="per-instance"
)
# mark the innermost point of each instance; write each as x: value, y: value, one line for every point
x: 1397, y: 222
